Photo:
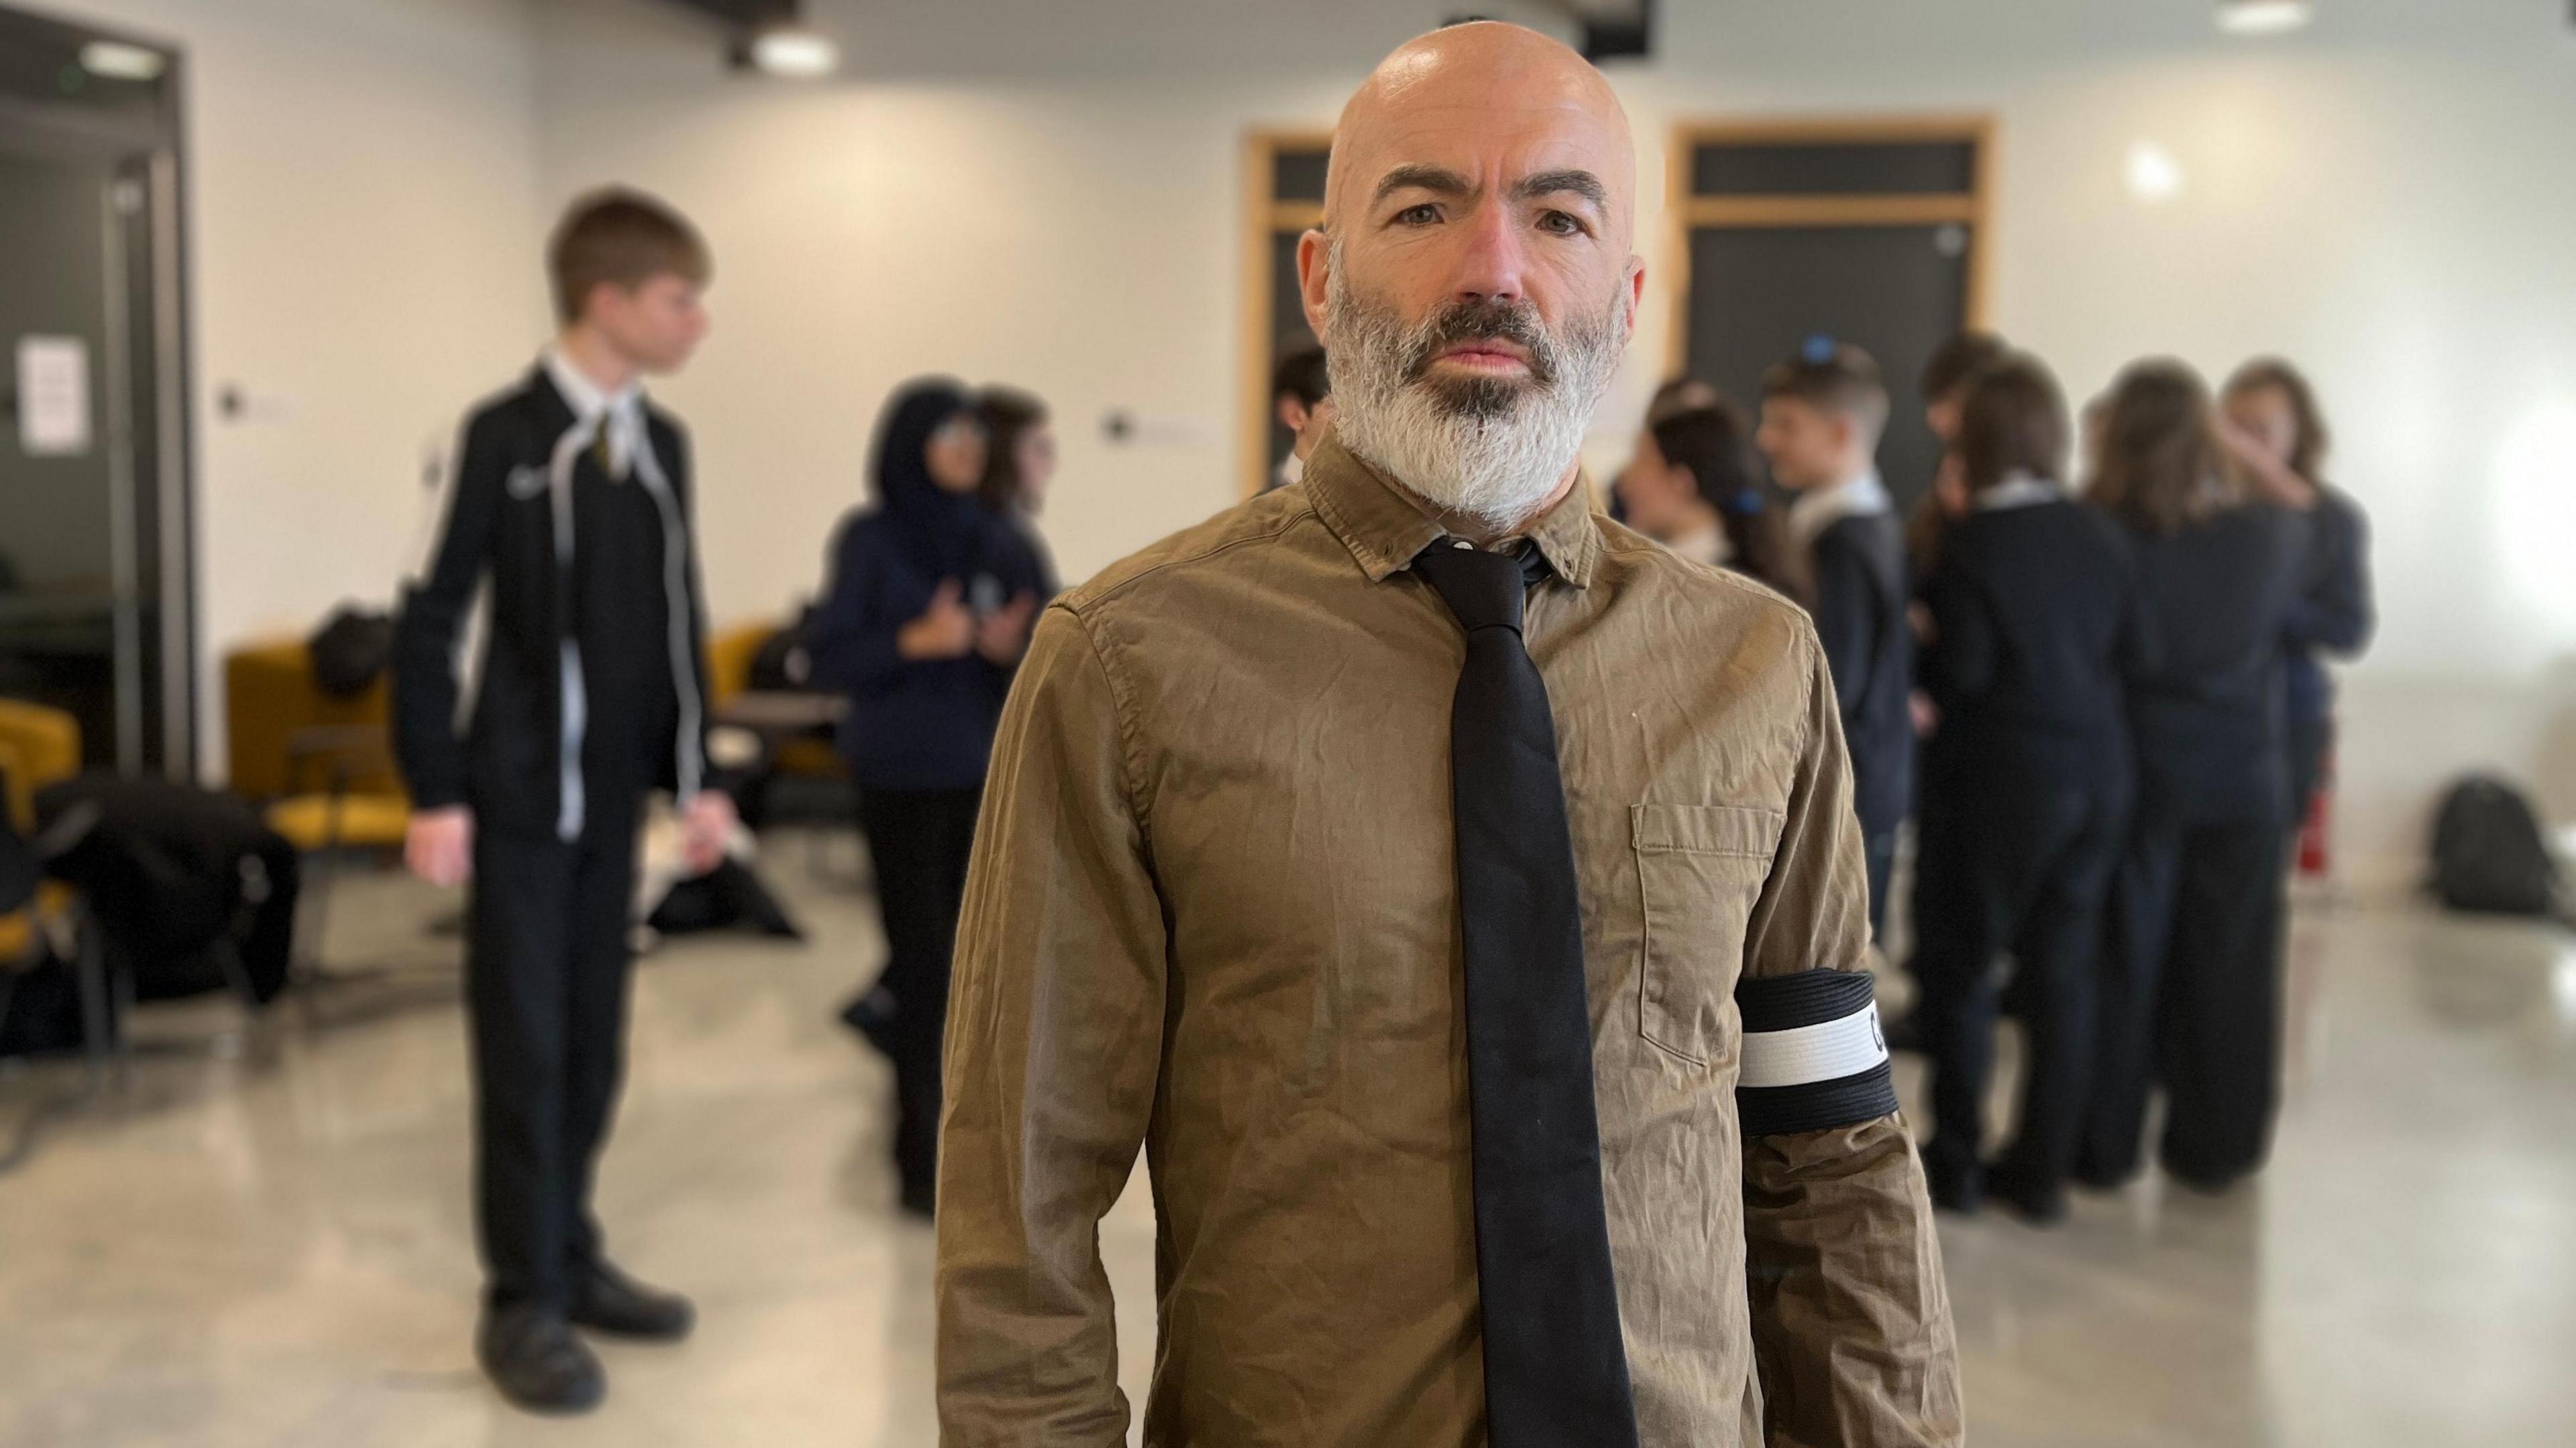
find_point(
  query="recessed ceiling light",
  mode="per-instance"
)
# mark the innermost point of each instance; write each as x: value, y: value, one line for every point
x: 799, y: 51
x: 2154, y: 173
x: 2264, y: 17
x: 116, y: 60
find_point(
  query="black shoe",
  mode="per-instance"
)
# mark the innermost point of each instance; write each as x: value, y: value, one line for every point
x: 607, y: 1300
x: 532, y: 1357
x: 2039, y: 1204
x: 871, y: 1014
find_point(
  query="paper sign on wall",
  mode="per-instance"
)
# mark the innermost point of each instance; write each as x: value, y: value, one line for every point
x: 53, y: 396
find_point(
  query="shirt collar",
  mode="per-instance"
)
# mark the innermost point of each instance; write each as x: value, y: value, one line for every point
x: 1385, y: 530
x: 1822, y: 508
x: 2019, y: 490
x: 583, y: 395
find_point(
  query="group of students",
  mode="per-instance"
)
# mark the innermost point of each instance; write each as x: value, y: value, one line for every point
x: 2102, y: 707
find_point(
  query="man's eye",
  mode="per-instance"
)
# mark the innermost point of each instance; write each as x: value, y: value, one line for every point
x: 1561, y: 224
x: 1422, y: 215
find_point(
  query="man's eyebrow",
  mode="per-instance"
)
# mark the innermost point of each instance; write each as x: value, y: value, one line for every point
x: 1438, y: 180
x: 1550, y: 183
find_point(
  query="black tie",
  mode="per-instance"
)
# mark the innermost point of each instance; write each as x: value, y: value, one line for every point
x: 1556, y: 1371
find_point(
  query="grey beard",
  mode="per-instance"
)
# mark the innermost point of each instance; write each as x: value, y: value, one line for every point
x: 1488, y: 448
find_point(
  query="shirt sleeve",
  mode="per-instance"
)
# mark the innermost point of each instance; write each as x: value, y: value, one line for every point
x: 1851, y: 1316
x: 426, y: 691
x: 851, y: 638
x: 1053, y: 1054
x: 2333, y: 611
x: 1846, y: 621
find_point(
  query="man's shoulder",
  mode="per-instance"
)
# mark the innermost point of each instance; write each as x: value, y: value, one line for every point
x: 1703, y: 597
x: 1220, y: 542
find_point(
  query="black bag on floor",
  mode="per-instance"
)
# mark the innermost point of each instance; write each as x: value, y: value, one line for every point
x: 2488, y: 851
x: 174, y: 874
x: 726, y: 898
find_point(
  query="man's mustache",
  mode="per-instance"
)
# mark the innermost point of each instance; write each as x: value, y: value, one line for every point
x: 1458, y: 322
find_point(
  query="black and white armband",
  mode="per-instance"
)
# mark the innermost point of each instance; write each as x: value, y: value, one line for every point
x: 1814, y: 1057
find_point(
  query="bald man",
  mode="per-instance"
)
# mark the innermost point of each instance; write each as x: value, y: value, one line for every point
x: 1456, y: 895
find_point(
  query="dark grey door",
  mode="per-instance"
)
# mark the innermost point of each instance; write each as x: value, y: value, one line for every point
x: 94, y: 578
x: 1759, y: 292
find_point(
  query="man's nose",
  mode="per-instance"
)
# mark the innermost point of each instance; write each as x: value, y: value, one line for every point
x: 1494, y: 264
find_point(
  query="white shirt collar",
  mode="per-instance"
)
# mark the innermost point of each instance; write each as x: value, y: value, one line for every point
x: 620, y: 415
x: 1292, y: 468
x: 2019, y: 490
x: 1822, y: 508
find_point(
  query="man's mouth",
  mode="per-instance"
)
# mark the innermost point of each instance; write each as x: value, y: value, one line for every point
x: 1488, y: 357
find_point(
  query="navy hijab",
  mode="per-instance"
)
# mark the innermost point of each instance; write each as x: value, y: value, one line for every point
x: 946, y: 534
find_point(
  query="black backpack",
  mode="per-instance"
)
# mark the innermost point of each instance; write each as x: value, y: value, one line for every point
x: 352, y: 648
x: 2488, y: 852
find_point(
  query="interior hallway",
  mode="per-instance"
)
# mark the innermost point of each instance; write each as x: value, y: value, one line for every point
x: 299, y: 1270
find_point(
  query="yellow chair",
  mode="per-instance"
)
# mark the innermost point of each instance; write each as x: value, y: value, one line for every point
x: 321, y: 766
x: 38, y: 747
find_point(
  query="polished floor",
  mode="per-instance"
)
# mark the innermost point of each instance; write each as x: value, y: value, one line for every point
x: 268, y: 1244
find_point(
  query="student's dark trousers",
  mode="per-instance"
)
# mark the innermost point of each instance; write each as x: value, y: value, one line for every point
x: 2191, y: 987
x: 2032, y: 863
x: 546, y: 971
x: 920, y: 842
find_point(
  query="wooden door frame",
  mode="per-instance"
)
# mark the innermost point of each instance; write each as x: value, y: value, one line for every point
x: 1264, y: 216
x: 1973, y: 208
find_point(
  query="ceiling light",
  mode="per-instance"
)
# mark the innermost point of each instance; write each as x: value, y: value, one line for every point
x: 799, y: 51
x: 2154, y: 173
x: 116, y: 60
x: 2265, y: 17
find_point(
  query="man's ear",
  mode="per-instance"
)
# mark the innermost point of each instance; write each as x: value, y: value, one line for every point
x: 1315, y: 278
x: 1292, y: 413
x: 1636, y: 294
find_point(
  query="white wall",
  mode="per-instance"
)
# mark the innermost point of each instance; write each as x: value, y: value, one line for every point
x: 1049, y: 194
x: 364, y: 206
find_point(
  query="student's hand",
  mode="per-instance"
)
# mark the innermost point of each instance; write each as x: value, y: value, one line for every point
x: 439, y: 845
x: 2273, y: 481
x: 946, y: 630
x: 705, y: 829
x: 1003, y: 636
x: 1927, y: 715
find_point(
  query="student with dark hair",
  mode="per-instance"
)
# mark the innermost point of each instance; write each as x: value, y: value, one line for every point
x: 1946, y: 375
x: 1019, y: 466
x: 2277, y: 433
x: 570, y: 516
x: 924, y: 622
x: 2036, y: 627
x: 1301, y: 392
x: 1822, y: 413
x: 1696, y: 488
x: 2192, y: 969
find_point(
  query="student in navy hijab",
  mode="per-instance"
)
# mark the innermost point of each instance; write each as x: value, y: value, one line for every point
x: 925, y: 619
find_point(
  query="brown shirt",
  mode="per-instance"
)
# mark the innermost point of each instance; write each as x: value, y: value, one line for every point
x: 1213, y: 911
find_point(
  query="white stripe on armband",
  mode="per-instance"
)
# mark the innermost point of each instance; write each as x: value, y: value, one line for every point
x: 1825, y: 1051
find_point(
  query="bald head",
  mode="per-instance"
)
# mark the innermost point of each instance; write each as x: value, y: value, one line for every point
x: 1495, y: 87
x: 1473, y: 278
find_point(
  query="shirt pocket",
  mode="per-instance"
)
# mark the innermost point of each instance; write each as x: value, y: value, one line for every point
x: 1699, y: 870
